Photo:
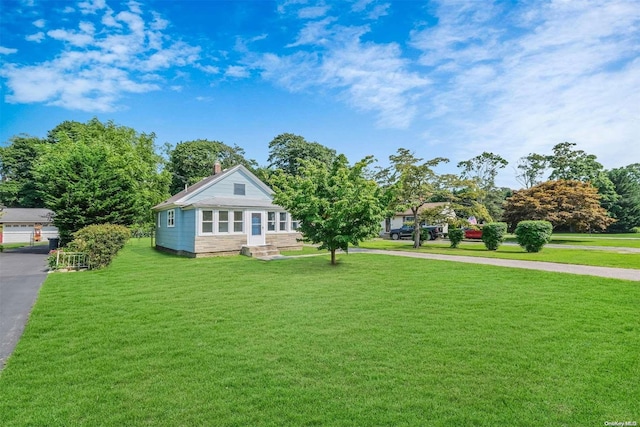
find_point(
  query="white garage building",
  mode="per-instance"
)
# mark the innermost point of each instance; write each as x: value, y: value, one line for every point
x: 26, y: 225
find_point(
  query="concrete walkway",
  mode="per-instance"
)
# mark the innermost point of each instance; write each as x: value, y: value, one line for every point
x: 586, y: 270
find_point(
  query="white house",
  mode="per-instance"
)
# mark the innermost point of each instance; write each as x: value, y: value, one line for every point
x: 400, y: 218
x: 26, y: 225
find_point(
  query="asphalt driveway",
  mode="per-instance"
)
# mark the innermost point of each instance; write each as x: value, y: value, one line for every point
x: 22, y: 272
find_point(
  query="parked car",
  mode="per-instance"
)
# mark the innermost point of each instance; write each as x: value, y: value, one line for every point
x: 472, y: 233
x: 406, y: 232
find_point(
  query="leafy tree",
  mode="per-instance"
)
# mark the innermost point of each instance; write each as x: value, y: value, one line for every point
x: 532, y: 169
x: 573, y: 204
x: 569, y: 164
x: 288, y: 151
x: 411, y: 184
x: 17, y: 161
x: 99, y: 173
x: 626, y: 208
x: 190, y: 161
x: 483, y: 169
x: 336, y: 204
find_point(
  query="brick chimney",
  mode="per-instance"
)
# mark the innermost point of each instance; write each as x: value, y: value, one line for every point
x: 217, y: 168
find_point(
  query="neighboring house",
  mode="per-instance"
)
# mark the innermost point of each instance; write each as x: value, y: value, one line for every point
x: 401, y: 218
x: 223, y: 213
x: 26, y: 225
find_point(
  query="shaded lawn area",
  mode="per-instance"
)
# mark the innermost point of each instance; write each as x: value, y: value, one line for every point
x: 376, y: 340
x: 602, y: 258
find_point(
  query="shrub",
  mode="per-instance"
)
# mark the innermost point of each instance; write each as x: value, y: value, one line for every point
x: 100, y: 242
x: 533, y: 235
x: 455, y: 236
x: 635, y: 230
x: 493, y: 234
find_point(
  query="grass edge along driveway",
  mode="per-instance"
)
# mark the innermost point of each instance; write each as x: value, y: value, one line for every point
x: 377, y: 340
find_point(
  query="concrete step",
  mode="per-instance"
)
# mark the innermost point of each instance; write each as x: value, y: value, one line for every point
x: 260, y: 251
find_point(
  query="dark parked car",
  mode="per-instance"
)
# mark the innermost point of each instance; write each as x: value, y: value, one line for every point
x: 406, y: 232
x: 472, y: 233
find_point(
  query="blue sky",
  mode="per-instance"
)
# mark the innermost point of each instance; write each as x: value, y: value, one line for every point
x: 444, y: 79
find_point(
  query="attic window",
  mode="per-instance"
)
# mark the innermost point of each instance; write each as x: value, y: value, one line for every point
x: 238, y: 189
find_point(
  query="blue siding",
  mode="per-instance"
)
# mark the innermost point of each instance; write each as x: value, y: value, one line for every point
x: 224, y: 188
x: 180, y: 237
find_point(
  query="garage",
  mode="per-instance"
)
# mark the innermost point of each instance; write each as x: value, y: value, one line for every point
x: 26, y: 225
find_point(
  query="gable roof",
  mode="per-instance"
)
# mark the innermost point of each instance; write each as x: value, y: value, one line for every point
x: 180, y: 199
x: 35, y: 215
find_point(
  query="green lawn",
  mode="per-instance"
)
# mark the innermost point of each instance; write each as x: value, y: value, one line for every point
x: 377, y: 340
x: 602, y: 258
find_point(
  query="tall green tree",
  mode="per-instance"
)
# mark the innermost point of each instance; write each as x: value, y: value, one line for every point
x: 566, y: 163
x: 532, y: 169
x: 99, y: 173
x: 288, y: 152
x: 626, y: 208
x: 336, y: 204
x: 483, y: 169
x: 411, y: 183
x: 17, y: 162
x: 190, y: 161
x: 569, y: 164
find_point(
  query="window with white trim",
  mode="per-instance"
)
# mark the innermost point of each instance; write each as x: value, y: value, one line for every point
x: 171, y: 218
x: 283, y: 221
x: 238, y: 221
x: 223, y: 222
x: 206, y: 224
x: 295, y: 224
x: 271, y: 221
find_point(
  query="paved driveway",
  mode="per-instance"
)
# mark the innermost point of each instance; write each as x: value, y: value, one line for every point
x: 22, y: 272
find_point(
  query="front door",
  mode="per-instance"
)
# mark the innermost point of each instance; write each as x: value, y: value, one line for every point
x: 255, y: 237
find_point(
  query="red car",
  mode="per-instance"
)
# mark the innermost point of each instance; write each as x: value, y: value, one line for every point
x: 472, y: 233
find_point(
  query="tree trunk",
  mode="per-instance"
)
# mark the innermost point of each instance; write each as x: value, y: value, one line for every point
x: 416, y: 229
x: 333, y: 257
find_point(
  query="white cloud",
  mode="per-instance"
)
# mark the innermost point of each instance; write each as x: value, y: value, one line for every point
x: 7, y: 50
x: 72, y: 37
x: 91, y: 6
x: 521, y: 83
x: 237, y: 71
x: 99, y: 65
x: 315, y: 33
x: 37, y: 37
x: 312, y: 12
x: 367, y: 76
x: 39, y: 23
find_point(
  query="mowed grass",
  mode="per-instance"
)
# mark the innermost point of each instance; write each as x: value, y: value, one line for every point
x: 376, y: 340
x: 602, y: 258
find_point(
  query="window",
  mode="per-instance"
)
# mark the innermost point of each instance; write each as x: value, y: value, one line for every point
x: 283, y: 221
x: 271, y: 221
x: 207, y: 222
x: 159, y: 219
x: 171, y: 217
x: 238, y: 221
x: 223, y: 222
x: 295, y: 224
x: 238, y: 189
x: 408, y: 219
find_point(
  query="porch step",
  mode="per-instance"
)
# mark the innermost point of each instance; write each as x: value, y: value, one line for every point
x: 262, y: 251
